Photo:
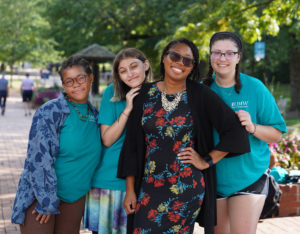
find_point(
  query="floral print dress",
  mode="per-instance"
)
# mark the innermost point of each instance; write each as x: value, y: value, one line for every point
x: 171, y: 192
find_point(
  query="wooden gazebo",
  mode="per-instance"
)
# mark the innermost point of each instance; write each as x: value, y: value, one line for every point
x: 96, y: 54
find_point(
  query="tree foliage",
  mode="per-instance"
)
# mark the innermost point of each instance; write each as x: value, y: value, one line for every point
x: 41, y: 31
x: 253, y: 21
x: 114, y: 24
x: 250, y: 19
x: 21, y: 27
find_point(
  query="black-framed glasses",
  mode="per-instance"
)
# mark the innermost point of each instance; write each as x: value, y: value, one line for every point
x: 81, y: 79
x: 175, y: 57
x: 228, y: 54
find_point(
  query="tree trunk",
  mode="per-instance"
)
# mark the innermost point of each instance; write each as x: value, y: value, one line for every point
x: 95, y: 85
x: 11, y: 65
x: 295, y: 80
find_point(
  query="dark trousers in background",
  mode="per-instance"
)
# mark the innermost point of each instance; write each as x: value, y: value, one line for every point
x: 3, y: 95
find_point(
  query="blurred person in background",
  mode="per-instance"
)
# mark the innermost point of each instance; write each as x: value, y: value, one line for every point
x: 3, y: 92
x: 26, y: 90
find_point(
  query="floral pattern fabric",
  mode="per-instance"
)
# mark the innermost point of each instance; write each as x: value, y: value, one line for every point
x: 38, y: 180
x: 171, y: 192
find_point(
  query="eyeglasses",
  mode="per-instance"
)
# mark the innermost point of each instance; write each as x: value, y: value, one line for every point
x: 81, y: 79
x: 175, y: 57
x: 228, y: 55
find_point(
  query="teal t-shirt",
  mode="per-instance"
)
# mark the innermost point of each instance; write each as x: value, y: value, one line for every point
x: 106, y: 173
x: 79, y: 154
x: 237, y: 173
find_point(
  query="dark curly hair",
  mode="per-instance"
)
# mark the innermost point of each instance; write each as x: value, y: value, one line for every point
x: 195, y: 73
x: 239, y: 44
x: 75, y: 61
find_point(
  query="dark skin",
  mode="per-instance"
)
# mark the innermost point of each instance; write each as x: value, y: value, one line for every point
x: 78, y: 93
x: 174, y: 81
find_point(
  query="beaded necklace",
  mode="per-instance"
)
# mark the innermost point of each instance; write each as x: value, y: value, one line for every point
x: 81, y: 117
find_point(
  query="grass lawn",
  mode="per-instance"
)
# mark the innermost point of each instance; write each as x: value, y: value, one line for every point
x: 293, y: 122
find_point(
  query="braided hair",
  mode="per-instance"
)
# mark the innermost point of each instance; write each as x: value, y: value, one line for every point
x: 195, y: 73
x: 238, y: 42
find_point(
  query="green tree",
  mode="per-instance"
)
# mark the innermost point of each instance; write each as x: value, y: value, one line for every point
x: 113, y: 23
x: 21, y: 29
x: 252, y: 20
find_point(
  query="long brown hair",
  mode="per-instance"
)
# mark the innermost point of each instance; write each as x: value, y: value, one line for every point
x: 120, y: 88
x: 238, y: 42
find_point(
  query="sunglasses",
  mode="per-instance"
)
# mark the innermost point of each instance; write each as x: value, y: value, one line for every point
x: 175, y: 57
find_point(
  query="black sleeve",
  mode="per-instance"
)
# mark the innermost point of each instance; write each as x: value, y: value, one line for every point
x: 233, y: 136
x: 128, y: 160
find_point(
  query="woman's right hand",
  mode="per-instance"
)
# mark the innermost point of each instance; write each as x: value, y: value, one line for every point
x: 129, y: 99
x: 129, y: 202
x: 42, y: 218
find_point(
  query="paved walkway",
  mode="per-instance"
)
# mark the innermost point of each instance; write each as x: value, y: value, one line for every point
x: 14, y: 129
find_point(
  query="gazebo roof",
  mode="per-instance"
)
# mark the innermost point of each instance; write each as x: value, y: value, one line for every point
x: 96, y: 53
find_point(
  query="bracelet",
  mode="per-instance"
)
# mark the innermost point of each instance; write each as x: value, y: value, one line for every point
x: 209, y: 160
x: 124, y: 114
x: 254, y: 129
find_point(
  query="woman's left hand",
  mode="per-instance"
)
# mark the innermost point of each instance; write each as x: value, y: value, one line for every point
x: 41, y: 218
x: 189, y: 155
x: 245, y: 120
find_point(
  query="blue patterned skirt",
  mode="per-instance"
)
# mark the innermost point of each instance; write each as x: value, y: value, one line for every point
x: 104, y: 212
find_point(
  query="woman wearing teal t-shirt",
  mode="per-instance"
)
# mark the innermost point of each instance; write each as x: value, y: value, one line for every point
x: 63, y: 152
x: 242, y: 183
x: 104, y: 212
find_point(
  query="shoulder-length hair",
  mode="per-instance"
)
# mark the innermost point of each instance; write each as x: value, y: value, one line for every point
x: 195, y: 73
x: 120, y: 88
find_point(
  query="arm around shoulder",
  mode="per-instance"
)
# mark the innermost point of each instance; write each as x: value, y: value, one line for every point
x: 233, y: 137
x: 134, y: 141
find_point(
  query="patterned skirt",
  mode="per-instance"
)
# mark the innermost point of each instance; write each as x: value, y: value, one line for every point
x: 104, y: 212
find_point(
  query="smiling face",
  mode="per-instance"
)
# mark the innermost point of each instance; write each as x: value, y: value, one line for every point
x: 132, y: 71
x: 77, y: 92
x: 176, y: 70
x: 224, y: 67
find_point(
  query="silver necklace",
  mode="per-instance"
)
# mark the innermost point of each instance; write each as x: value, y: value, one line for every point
x: 170, y: 105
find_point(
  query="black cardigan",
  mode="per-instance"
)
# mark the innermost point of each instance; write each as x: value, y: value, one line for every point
x: 208, y: 111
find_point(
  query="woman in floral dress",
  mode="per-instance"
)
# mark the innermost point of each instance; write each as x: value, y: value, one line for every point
x: 168, y: 155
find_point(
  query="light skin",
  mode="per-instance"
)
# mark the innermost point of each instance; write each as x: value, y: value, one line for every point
x: 225, y: 73
x: 174, y: 81
x: 77, y: 93
x: 238, y: 214
x: 132, y: 72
